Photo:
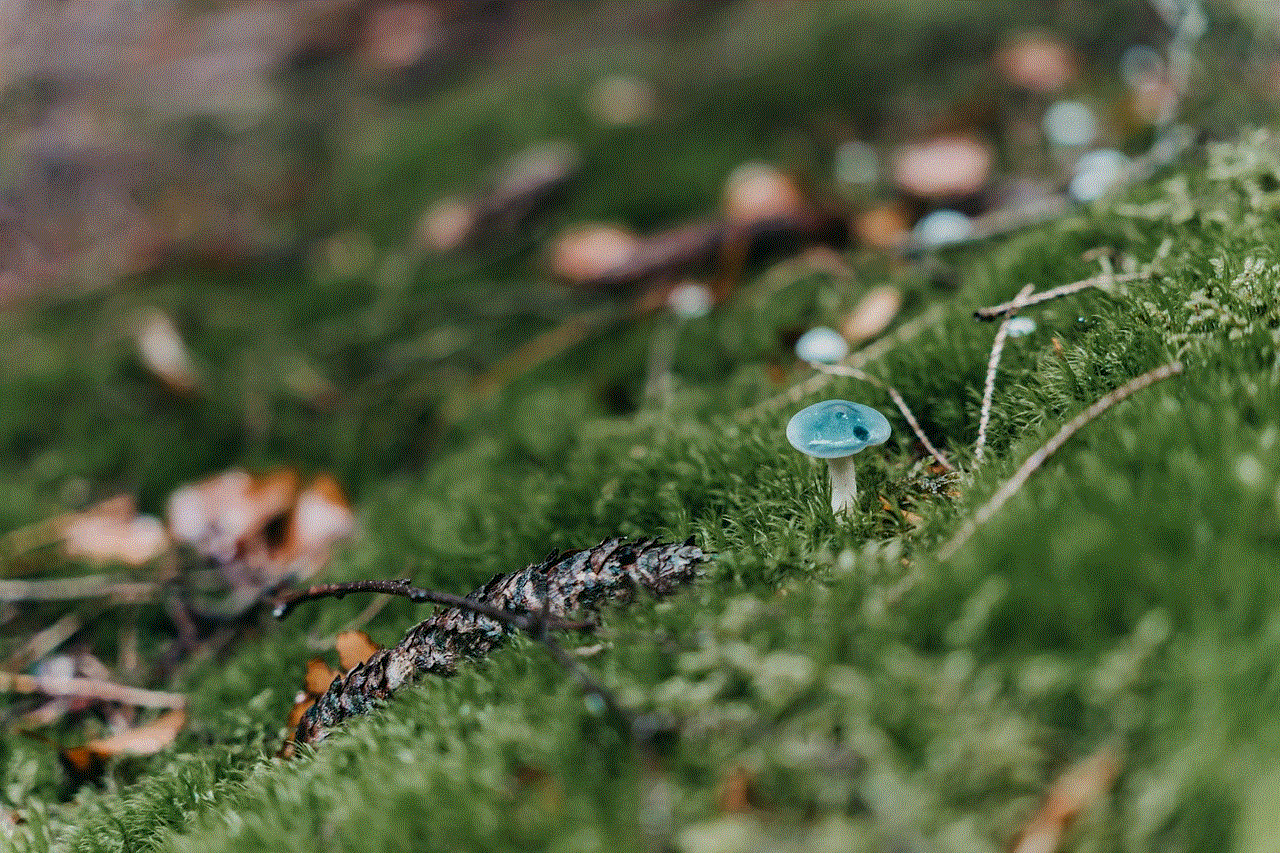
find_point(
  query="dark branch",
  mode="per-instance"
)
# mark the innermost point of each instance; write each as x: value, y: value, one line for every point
x: 402, y: 587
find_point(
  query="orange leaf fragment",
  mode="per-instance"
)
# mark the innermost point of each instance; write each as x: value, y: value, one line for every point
x: 148, y: 739
x: 162, y: 352
x: 354, y: 648
x: 735, y: 796
x: 217, y: 515
x: 591, y: 252
x: 946, y: 167
x: 873, y: 314
x: 758, y: 194
x: 113, y: 532
x: 1079, y: 787
x: 319, y: 676
x: 299, y: 709
x: 881, y: 227
x: 321, y: 517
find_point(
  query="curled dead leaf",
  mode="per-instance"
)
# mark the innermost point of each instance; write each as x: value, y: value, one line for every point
x: 873, y: 314
x: 320, y: 518
x: 113, y: 532
x: 1080, y: 786
x: 1037, y: 61
x: 590, y: 252
x: 664, y: 254
x: 319, y: 676
x: 218, y: 515
x: 354, y: 647
x: 945, y: 167
x: 884, y: 226
x: 164, y: 354
x: 87, y: 761
x: 757, y: 194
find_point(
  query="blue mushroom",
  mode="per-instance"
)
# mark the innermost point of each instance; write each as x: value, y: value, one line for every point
x: 822, y: 344
x: 835, y: 430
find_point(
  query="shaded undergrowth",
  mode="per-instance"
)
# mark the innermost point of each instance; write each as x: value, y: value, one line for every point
x: 1125, y: 596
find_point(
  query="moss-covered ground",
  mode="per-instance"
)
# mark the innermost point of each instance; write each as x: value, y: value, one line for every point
x: 1125, y: 597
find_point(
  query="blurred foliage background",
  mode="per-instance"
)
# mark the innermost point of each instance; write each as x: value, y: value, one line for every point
x: 434, y: 251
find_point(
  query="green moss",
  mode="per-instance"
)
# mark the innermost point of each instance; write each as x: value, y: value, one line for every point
x: 1124, y: 595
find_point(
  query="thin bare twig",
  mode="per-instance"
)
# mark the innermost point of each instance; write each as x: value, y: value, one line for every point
x: 1035, y: 460
x: 89, y: 688
x: 89, y: 586
x: 45, y: 641
x: 855, y: 373
x: 403, y: 587
x: 17, y: 543
x: 989, y: 385
x: 363, y: 618
x: 877, y: 350
x: 995, y: 312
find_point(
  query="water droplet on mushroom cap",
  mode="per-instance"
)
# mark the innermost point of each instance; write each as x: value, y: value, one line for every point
x: 835, y: 428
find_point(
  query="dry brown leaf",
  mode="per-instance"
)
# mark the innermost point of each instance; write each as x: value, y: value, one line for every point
x: 218, y: 515
x: 1079, y: 787
x: 300, y: 705
x: 446, y: 225
x: 146, y: 739
x: 756, y: 193
x: 873, y: 314
x: 884, y: 226
x: 1037, y: 61
x: 354, y: 647
x: 321, y: 517
x: 112, y: 532
x: 398, y: 34
x: 591, y: 252
x: 946, y: 167
x: 319, y: 676
x: 163, y: 353
x: 735, y: 795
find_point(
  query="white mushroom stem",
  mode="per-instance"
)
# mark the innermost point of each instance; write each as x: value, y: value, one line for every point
x: 844, y: 484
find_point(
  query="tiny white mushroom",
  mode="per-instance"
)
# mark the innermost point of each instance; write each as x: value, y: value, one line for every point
x: 823, y: 345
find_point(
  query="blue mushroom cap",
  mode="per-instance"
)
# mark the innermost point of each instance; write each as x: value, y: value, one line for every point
x: 835, y: 428
x: 822, y: 344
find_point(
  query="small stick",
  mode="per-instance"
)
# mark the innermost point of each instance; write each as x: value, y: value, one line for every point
x: 403, y: 588
x: 1035, y: 460
x: 89, y: 586
x: 844, y: 370
x: 995, y: 312
x: 45, y: 641
x: 879, y: 349
x: 364, y: 617
x: 39, y: 534
x: 989, y: 385
x: 89, y: 688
